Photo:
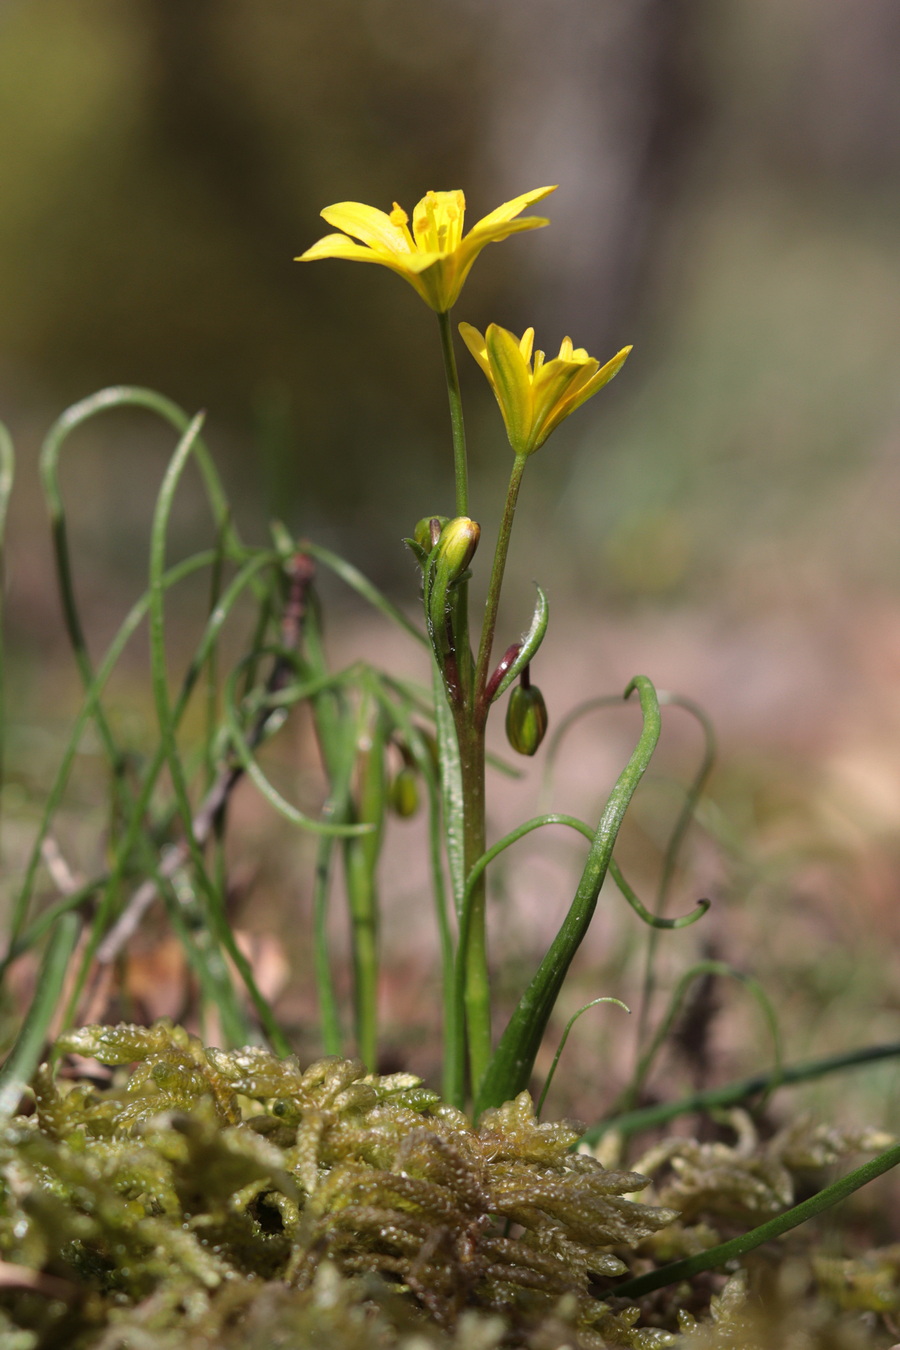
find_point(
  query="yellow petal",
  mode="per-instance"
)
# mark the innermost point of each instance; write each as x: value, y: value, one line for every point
x: 509, y: 210
x: 420, y: 261
x: 579, y: 392
x: 367, y: 223
x: 512, y: 385
x: 608, y: 372
x: 476, y: 345
x: 557, y: 382
x: 526, y: 343
x: 482, y: 234
x: 339, y: 246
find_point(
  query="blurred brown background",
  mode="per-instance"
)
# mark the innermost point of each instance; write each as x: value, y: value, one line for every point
x: 723, y: 517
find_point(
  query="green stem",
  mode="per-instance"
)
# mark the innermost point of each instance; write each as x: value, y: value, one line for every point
x: 730, y: 1094
x: 496, y: 582
x: 456, y: 415
x: 475, y: 980
x: 471, y: 717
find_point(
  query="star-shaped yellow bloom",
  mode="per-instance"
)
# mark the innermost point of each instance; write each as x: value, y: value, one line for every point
x: 534, y: 394
x: 435, y: 256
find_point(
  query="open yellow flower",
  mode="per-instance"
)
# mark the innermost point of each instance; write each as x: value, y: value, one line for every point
x: 534, y: 394
x: 435, y: 256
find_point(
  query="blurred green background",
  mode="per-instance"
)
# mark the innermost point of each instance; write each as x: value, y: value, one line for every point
x: 722, y: 517
x: 728, y: 203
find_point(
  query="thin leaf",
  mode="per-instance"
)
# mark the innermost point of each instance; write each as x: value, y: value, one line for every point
x: 25, y: 1055
x: 513, y: 1061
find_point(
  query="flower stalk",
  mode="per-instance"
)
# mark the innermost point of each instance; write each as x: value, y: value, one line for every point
x: 457, y: 422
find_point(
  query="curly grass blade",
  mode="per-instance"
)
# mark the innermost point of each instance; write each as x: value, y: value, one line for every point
x: 25, y: 1055
x: 258, y: 778
x: 753, y: 986
x: 674, y: 845
x: 747, y: 1242
x: 562, y: 1044
x: 215, y: 910
x: 120, y: 396
x: 643, y: 913
x: 460, y: 976
x: 513, y: 1061
x: 134, y: 824
x: 92, y: 694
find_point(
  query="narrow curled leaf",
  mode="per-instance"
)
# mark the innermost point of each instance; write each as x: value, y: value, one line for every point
x: 565, y: 1036
x: 531, y: 641
x: 654, y: 920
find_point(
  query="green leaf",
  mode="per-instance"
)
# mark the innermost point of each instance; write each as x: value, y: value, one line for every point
x: 531, y: 641
x: 512, y: 1063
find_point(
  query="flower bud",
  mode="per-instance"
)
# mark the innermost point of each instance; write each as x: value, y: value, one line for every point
x: 456, y: 548
x: 403, y: 793
x: 526, y: 719
x: 423, y: 532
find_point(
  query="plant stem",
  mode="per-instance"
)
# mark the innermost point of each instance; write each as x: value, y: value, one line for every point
x: 730, y: 1094
x: 473, y: 936
x: 456, y: 415
x: 496, y: 581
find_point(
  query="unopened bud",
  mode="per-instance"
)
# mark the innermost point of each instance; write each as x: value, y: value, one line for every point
x: 456, y: 547
x: 404, y: 793
x: 526, y: 719
x: 424, y: 531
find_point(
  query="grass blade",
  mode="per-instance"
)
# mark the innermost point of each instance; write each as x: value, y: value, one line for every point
x: 25, y: 1055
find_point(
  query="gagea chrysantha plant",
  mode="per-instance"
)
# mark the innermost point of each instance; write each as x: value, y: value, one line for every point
x: 188, y: 1181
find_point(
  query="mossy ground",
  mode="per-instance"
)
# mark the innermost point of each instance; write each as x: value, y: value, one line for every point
x: 201, y: 1198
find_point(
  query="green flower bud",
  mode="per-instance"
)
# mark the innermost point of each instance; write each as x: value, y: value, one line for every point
x: 422, y: 532
x: 404, y: 793
x: 456, y: 548
x: 447, y: 563
x: 526, y: 719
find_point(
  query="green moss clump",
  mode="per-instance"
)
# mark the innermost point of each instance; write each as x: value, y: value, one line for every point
x: 232, y: 1200
x: 203, y: 1182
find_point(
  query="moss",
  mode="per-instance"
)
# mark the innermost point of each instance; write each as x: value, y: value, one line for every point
x: 204, y: 1186
x: 235, y: 1200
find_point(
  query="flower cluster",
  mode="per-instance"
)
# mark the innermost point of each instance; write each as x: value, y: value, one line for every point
x: 435, y: 257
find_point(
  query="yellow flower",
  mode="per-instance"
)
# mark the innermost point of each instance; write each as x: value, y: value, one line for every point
x: 535, y: 396
x: 435, y: 256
